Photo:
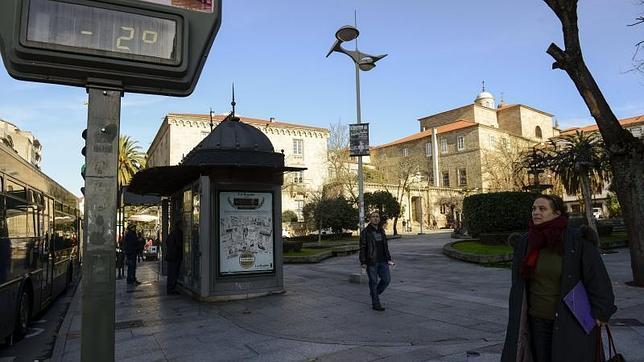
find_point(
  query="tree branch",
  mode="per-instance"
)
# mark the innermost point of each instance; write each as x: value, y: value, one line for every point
x: 560, y: 57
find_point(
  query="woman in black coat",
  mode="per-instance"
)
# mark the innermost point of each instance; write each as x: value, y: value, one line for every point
x: 548, y: 262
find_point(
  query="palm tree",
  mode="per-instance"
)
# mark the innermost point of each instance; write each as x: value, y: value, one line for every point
x: 131, y: 159
x: 579, y: 160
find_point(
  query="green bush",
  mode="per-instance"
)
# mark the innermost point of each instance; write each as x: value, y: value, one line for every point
x: 291, y: 246
x: 289, y: 216
x: 497, y: 212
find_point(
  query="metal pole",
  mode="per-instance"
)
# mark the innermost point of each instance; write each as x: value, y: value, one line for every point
x: 360, y: 174
x: 420, y: 201
x: 98, y: 283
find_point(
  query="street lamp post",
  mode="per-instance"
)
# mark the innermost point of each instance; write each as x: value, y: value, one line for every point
x: 363, y: 62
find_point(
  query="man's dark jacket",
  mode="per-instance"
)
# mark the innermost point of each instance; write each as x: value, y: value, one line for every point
x: 175, y: 246
x: 130, y: 243
x: 368, y: 249
x: 581, y: 261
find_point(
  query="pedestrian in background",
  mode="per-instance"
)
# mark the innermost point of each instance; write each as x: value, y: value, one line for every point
x: 173, y: 256
x: 120, y: 261
x: 140, y: 246
x: 548, y: 263
x: 131, y: 250
x: 375, y: 258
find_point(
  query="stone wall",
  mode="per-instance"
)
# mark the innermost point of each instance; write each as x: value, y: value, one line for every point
x: 465, y: 112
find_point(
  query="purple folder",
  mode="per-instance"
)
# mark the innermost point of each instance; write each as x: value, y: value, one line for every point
x: 579, y: 304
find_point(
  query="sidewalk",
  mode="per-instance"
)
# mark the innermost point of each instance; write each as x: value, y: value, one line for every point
x: 438, y: 309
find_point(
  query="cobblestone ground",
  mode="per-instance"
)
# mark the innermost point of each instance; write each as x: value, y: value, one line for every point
x: 438, y: 309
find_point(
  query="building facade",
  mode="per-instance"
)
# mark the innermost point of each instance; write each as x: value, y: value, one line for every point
x: 303, y: 146
x: 635, y: 125
x: 465, y: 150
x: 23, y: 142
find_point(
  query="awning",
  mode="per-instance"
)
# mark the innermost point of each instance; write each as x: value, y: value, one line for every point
x: 143, y: 218
x: 162, y: 181
x: 166, y: 180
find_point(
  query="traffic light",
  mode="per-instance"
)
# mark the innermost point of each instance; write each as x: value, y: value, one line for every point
x: 84, y: 153
x: 131, y: 45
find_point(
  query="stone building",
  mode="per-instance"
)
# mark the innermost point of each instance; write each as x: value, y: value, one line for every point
x: 23, y: 142
x: 459, y: 152
x: 303, y: 146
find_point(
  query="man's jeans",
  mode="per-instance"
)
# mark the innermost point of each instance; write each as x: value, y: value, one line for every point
x: 131, y: 268
x: 375, y: 271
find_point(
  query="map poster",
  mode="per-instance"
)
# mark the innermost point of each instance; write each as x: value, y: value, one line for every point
x: 246, y: 242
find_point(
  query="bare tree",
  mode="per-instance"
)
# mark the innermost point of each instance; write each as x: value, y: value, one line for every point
x: 504, y: 170
x: 638, y: 57
x: 625, y: 152
x: 342, y: 176
x: 392, y: 168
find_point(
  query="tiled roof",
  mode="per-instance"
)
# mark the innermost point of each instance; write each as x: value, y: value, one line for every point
x: 255, y: 121
x: 460, y: 124
x: 624, y: 122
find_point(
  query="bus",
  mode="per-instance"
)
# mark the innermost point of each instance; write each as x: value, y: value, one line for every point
x: 39, y: 242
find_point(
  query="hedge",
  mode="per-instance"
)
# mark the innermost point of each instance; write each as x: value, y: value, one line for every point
x: 497, y: 212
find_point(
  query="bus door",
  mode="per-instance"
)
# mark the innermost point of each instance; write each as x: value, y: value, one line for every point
x: 47, y: 254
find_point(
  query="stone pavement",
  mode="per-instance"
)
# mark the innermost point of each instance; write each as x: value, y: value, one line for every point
x: 438, y: 309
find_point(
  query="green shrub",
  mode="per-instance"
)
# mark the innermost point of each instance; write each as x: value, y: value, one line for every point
x: 497, y: 212
x: 291, y: 246
x: 289, y: 216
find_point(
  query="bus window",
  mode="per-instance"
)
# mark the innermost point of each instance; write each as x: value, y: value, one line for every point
x: 16, y: 216
x: 5, y: 244
x: 64, y: 230
x: 16, y: 190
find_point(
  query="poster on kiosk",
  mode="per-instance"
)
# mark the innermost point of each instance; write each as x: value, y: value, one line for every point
x: 246, y: 239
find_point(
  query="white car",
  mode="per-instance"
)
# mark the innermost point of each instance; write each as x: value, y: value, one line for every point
x: 597, y: 213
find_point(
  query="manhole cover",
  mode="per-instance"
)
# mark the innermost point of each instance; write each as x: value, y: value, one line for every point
x: 129, y: 324
x: 626, y: 322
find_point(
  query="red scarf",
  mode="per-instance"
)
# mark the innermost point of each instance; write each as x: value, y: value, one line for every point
x: 547, y: 234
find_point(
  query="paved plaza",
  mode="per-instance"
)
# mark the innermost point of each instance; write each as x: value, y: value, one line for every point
x: 438, y: 309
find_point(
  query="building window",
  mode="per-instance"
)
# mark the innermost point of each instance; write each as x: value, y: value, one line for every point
x: 445, y: 178
x: 462, y: 177
x: 299, y: 207
x: 428, y: 149
x: 298, y: 147
x: 492, y: 140
x: 537, y: 132
x: 637, y: 131
x: 460, y: 143
x: 298, y: 177
x: 443, y: 145
x: 405, y: 152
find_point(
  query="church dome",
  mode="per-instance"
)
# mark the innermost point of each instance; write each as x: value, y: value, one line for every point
x: 485, y: 99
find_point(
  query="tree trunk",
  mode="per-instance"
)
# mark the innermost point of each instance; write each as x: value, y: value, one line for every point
x: 588, y: 199
x: 625, y: 152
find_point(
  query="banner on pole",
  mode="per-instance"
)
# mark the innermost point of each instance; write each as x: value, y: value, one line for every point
x: 359, y: 139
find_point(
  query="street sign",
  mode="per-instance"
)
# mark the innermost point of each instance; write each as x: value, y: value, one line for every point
x: 143, y: 46
x: 359, y: 139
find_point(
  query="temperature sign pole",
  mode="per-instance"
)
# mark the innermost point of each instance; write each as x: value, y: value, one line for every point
x: 108, y: 47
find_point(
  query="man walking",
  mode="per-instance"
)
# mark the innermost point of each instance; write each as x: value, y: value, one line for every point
x: 375, y: 258
x: 130, y: 248
x: 174, y: 255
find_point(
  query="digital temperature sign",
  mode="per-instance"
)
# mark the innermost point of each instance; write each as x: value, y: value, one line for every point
x: 99, y: 31
x: 141, y: 46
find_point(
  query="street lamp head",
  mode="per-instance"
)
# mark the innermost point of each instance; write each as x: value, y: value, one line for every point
x: 366, y: 64
x: 347, y: 33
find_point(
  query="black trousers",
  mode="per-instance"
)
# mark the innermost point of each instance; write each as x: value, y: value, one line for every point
x: 541, y: 332
x: 173, y: 275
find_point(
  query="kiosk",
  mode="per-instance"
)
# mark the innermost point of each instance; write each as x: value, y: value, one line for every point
x: 227, y: 194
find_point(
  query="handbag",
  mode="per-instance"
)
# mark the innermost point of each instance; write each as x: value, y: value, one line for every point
x: 613, y: 355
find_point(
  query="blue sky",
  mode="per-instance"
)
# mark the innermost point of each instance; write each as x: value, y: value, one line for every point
x: 439, y: 52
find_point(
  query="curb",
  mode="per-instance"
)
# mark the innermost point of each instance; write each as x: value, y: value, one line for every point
x: 61, y: 334
x: 454, y: 253
x: 316, y: 258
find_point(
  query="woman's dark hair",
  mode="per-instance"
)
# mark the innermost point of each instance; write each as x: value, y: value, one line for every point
x: 556, y: 203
